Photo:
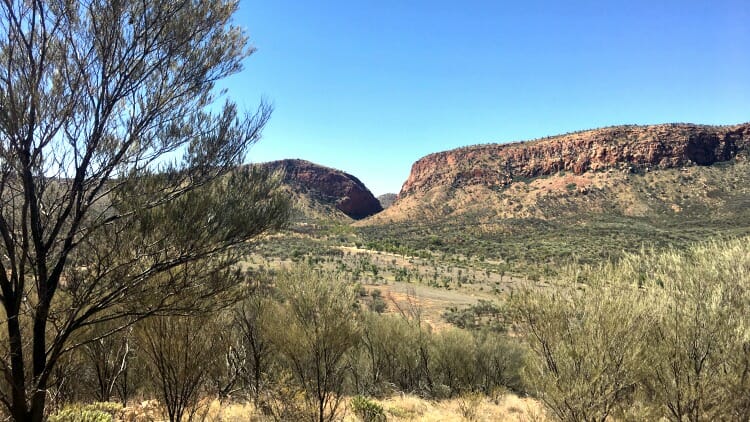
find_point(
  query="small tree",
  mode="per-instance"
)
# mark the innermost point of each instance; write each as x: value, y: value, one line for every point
x: 587, y: 349
x: 698, y: 366
x: 454, y: 359
x: 181, y: 353
x: 499, y: 362
x: 254, y: 347
x: 391, y: 353
x: 371, y: 369
x: 317, y: 327
x: 109, y: 358
x: 116, y: 200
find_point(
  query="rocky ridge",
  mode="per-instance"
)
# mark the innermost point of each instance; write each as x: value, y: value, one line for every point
x: 387, y: 199
x: 328, y: 186
x: 627, y: 148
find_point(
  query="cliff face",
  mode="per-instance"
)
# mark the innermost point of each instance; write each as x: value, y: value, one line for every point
x: 629, y: 148
x: 329, y: 186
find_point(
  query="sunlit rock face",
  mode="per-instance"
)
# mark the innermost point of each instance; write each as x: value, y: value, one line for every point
x: 630, y: 148
x: 330, y: 186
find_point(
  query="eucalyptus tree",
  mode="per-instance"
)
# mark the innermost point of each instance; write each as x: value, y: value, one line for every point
x: 117, y: 199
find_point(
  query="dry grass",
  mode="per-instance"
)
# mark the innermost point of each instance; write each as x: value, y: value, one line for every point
x: 507, y: 407
x: 208, y: 411
x: 230, y: 412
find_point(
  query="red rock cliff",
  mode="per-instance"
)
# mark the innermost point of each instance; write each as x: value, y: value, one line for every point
x: 623, y: 147
x: 330, y: 186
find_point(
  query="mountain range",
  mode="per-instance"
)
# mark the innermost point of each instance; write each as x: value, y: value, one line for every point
x: 535, y: 205
x: 627, y: 170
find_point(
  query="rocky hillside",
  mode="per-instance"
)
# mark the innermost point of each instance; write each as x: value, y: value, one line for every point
x: 601, y: 170
x: 319, y: 190
x: 631, y: 148
x: 387, y: 199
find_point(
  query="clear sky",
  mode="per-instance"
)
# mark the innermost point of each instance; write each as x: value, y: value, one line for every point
x: 369, y: 86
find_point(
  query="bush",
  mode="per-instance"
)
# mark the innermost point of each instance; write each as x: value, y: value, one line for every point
x: 587, y: 347
x: 378, y: 305
x: 667, y: 334
x: 469, y: 405
x: 367, y: 410
x: 316, y: 328
x: 95, y: 412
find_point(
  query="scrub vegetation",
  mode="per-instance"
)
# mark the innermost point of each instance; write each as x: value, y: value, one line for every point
x: 652, y: 336
x: 147, y: 274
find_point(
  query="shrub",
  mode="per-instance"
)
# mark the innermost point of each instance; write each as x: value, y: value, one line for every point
x: 653, y: 336
x: 587, y: 349
x: 469, y: 404
x: 316, y: 327
x: 378, y: 305
x: 181, y: 352
x: 95, y: 412
x: 367, y: 410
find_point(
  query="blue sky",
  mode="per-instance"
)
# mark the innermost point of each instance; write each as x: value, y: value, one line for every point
x: 369, y: 87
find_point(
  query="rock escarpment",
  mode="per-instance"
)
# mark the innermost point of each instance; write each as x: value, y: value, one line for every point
x: 328, y: 186
x: 629, y: 148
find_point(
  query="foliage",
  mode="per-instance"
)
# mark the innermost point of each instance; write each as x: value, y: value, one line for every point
x: 397, y: 353
x: 367, y: 410
x: 666, y: 333
x: 484, y: 314
x: 377, y: 303
x: 453, y: 359
x: 316, y: 328
x: 119, y: 195
x: 655, y: 335
x: 587, y: 353
x: 700, y: 355
x: 181, y: 353
x: 95, y: 412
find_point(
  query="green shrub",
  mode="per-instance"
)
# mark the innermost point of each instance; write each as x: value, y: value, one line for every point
x: 94, y: 412
x: 441, y: 392
x: 378, y: 305
x: 654, y: 336
x: 367, y: 410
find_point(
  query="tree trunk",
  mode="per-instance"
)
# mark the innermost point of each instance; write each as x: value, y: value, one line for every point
x: 18, y: 409
x: 21, y: 414
x: 39, y: 396
x: 37, y: 406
